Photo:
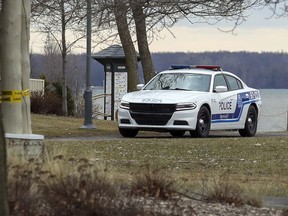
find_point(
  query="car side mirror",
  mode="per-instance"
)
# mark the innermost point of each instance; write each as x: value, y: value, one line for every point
x: 219, y: 89
x: 140, y: 86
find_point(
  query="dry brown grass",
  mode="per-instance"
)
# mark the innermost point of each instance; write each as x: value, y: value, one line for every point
x: 153, y: 183
x: 64, y: 187
x: 225, y: 190
x: 82, y: 187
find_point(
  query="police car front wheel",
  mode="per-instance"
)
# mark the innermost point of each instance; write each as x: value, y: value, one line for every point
x: 250, y: 123
x: 203, y: 123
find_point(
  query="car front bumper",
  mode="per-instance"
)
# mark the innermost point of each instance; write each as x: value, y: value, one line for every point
x: 179, y: 120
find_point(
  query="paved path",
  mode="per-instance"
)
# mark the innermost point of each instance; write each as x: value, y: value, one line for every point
x: 275, y: 202
x: 213, y: 134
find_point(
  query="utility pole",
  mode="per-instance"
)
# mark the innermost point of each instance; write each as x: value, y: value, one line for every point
x: 88, y: 92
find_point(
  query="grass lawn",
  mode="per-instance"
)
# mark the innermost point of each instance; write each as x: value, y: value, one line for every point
x: 258, y: 163
x: 59, y: 126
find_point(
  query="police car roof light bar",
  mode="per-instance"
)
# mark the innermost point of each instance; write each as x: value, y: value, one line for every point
x: 207, y: 67
x: 175, y: 67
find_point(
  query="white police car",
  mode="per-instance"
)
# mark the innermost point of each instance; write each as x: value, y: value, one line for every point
x: 191, y: 98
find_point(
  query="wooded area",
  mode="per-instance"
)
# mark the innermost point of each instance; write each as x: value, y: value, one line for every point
x: 260, y: 70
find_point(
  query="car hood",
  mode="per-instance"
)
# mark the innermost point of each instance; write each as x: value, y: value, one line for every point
x: 162, y: 96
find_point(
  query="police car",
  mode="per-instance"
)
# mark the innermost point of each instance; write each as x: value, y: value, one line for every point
x: 191, y: 98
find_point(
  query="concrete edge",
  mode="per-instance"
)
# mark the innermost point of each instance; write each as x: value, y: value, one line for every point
x: 24, y: 136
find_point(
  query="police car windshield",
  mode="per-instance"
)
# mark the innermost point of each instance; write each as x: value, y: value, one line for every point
x: 180, y: 81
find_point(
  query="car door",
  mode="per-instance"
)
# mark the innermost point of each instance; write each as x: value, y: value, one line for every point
x: 224, y: 105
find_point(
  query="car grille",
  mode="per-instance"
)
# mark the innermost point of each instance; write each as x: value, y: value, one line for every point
x: 151, y: 114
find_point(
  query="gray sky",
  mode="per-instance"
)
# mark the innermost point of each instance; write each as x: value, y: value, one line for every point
x: 260, y: 32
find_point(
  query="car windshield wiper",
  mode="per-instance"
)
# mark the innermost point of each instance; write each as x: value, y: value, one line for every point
x: 165, y: 88
x: 181, y: 89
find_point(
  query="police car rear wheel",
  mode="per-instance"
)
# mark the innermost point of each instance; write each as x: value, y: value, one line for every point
x: 251, y: 123
x: 203, y: 123
x: 177, y: 133
x: 128, y: 132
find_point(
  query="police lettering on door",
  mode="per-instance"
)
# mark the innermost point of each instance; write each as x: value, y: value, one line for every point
x: 225, y: 105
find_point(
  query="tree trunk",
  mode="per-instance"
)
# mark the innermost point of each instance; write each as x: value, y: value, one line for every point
x: 25, y: 37
x: 4, y: 209
x: 145, y: 55
x: 11, y: 106
x: 64, y: 88
x: 128, y: 46
x: 64, y: 60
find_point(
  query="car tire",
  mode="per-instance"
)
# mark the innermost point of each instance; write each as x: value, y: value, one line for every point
x: 128, y: 132
x: 177, y: 133
x: 203, y: 123
x: 251, y: 123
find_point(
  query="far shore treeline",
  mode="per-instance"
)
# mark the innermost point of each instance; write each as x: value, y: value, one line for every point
x: 266, y: 70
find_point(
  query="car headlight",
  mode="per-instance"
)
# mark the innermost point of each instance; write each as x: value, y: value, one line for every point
x: 186, y: 106
x: 124, y: 105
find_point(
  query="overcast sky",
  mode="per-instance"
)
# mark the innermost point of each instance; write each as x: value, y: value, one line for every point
x: 259, y: 33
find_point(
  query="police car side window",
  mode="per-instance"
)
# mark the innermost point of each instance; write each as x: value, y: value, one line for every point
x: 234, y: 83
x: 239, y: 84
x: 219, y: 80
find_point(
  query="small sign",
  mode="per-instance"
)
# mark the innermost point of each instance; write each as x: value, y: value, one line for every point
x: 121, y: 67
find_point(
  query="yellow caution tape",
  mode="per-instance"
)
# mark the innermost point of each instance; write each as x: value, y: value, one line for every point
x: 14, y: 95
x: 26, y: 93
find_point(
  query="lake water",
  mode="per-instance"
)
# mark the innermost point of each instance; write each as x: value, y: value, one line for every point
x: 273, y: 116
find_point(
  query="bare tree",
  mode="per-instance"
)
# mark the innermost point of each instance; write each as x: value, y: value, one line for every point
x: 25, y: 66
x: 62, y: 19
x: 279, y: 8
x: 142, y: 41
x: 11, y: 67
x: 120, y: 12
x: 4, y: 209
x: 15, y: 74
x: 114, y: 14
x: 149, y: 17
x: 53, y: 62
